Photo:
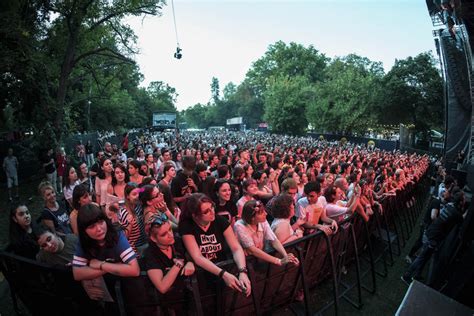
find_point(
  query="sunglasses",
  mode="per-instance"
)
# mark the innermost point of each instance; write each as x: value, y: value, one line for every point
x: 158, y: 219
x: 258, y: 208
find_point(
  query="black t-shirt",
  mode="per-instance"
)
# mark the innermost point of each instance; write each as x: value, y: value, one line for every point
x: 435, y: 203
x: 449, y: 216
x: 205, y: 186
x: 211, y: 242
x: 60, y: 218
x: 154, y: 258
x: 227, y: 210
x: 179, y: 185
x: 25, y: 246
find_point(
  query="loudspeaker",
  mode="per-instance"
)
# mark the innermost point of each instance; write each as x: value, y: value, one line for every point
x: 423, y: 300
x: 470, y: 177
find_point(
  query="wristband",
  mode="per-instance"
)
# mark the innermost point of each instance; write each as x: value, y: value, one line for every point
x: 221, y: 274
x: 243, y: 270
x: 101, y: 264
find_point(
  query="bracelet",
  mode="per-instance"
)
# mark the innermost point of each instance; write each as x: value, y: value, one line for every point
x: 221, y: 274
x: 179, y: 265
x: 243, y: 270
x: 101, y: 264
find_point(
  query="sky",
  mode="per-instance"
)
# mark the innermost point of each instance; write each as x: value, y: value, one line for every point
x: 222, y: 38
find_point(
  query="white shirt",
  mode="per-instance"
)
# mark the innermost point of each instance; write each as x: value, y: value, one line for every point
x: 311, y: 213
x: 249, y: 237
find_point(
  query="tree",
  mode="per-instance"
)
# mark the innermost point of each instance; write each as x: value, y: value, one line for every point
x: 290, y: 60
x: 21, y: 23
x: 229, y: 90
x: 215, y: 90
x: 347, y: 98
x: 195, y: 116
x: 84, y: 30
x: 286, y: 99
x: 250, y: 107
x: 413, y: 94
x: 61, y: 55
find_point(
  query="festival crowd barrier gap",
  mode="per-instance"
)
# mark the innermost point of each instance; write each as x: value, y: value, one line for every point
x: 50, y: 290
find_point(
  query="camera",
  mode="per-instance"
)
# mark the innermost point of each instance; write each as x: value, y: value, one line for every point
x: 178, y: 54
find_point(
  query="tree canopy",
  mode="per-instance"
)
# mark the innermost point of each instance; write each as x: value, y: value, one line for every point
x: 68, y: 66
x: 292, y: 87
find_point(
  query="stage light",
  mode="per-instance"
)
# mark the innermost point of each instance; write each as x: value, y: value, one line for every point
x: 178, y: 54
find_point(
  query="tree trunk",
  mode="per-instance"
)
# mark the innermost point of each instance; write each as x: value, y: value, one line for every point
x: 63, y: 82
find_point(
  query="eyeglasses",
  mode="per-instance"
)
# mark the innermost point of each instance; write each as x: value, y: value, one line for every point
x: 158, y: 219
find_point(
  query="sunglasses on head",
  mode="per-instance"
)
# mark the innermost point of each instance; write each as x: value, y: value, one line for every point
x: 158, y: 219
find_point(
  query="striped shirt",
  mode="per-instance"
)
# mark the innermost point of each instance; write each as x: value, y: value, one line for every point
x: 132, y: 225
x: 120, y: 253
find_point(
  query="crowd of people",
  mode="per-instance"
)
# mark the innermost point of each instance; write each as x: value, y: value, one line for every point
x: 194, y: 199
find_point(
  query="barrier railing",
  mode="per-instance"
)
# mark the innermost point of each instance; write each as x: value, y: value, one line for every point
x: 321, y: 258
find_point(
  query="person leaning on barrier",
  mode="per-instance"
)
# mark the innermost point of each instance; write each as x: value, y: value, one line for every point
x: 337, y: 211
x: 102, y: 248
x: 253, y: 231
x: 163, y: 259
x: 312, y: 211
x: 54, y: 249
x: 208, y: 238
x: 283, y: 209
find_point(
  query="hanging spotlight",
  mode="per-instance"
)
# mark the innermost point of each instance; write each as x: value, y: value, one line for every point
x: 178, y: 54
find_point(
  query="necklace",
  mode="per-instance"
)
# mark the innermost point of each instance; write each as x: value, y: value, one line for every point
x: 203, y: 227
